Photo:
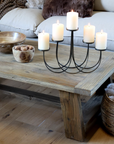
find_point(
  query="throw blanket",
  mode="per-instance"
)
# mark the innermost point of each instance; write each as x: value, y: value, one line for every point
x: 7, y: 5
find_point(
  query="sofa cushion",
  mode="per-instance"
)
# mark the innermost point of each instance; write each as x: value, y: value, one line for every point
x: 61, y: 7
x: 101, y: 21
x: 35, y: 4
x: 22, y: 20
x: 104, y: 5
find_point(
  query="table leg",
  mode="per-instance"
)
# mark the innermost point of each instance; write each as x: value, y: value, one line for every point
x: 72, y: 115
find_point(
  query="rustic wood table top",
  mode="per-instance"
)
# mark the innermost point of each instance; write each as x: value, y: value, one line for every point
x: 36, y: 72
x: 78, y: 119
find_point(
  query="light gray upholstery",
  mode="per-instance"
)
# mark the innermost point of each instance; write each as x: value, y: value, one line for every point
x: 101, y: 20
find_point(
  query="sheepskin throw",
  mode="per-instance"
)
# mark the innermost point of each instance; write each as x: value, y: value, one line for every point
x: 35, y: 4
x: 7, y: 5
x: 61, y: 7
x: 110, y: 89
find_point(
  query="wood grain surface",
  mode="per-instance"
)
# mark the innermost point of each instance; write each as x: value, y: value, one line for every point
x: 72, y: 116
x: 36, y: 73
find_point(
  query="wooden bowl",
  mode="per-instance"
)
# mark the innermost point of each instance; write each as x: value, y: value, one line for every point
x: 8, y: 39
x: 23, y: 53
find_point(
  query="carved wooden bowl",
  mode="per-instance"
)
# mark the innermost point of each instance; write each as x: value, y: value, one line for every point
x: 23, y: 53
x: 8, y: 39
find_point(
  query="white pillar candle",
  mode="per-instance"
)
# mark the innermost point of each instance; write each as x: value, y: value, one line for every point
x: 101, y: 40
x: 72, y: 20
x: 57, y: 31
x: 89, y: 33
x: 43, y: 41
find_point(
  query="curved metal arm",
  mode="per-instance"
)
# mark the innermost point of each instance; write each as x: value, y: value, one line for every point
x: 49, y: 67
x: 66, y: 67
x: 96, y: 65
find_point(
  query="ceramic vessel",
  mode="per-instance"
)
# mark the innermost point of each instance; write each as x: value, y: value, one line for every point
x: 23, y: 53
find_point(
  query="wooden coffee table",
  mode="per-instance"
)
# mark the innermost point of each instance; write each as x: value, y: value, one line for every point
x: 77, y: 119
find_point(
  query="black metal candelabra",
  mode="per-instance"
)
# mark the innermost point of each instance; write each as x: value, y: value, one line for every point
x: 79, y: 67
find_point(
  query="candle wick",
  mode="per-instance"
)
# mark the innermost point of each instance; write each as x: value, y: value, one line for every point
x: 101, y: 31
x: 58, y: 22
x: 89, y: 24
x: 43, y: 32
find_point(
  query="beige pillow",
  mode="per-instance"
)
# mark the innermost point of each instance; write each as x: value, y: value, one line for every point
x: 104, y: 5
x: 22, y: 19
x: 35, y: 4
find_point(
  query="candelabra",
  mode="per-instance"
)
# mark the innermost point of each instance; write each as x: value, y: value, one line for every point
x: 78, y: 67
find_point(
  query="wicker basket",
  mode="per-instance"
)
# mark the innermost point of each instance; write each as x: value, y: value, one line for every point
x: 107, y: 113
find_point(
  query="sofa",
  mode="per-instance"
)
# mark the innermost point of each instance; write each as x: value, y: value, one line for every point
x: 31, y: 22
